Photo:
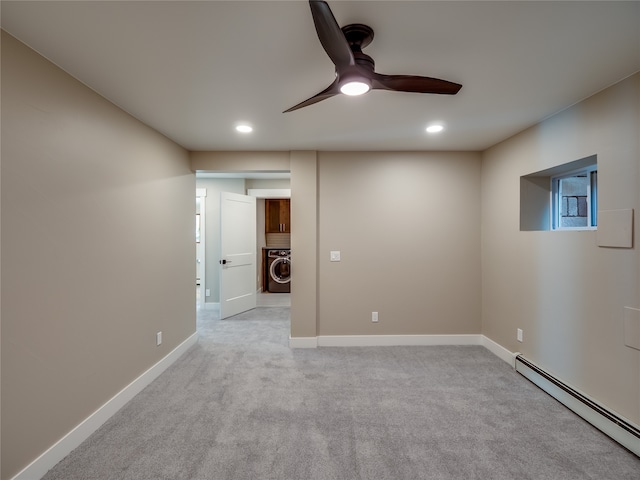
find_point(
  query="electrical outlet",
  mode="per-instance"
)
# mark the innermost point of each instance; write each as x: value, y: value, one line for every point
x: 158, y: 338
x: 374, y: 316
x: 519, y: 335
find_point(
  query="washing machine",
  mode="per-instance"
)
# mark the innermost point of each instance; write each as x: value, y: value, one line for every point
x: 279, y: 271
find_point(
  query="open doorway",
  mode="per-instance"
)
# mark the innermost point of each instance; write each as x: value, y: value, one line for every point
x: 261, y: 185
x: 274, y: 240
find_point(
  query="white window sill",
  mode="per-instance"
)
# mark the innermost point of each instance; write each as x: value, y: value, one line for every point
x: 573, y: 229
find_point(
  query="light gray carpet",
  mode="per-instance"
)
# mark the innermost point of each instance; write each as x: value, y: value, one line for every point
x: 242, y: 405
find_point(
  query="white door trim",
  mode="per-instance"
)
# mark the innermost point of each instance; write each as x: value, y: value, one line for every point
x: 202, y: 194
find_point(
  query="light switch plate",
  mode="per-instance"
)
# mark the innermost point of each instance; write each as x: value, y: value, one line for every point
x: 335, y: 256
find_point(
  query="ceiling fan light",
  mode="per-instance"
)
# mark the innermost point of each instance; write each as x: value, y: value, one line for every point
x: 355, y: 87
x: 435, y: 128
x: 243, y: 128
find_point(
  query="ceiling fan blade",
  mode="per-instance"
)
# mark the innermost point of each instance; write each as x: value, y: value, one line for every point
x: 331, y: 37
x: 330, y: 91
x: 413, y: 83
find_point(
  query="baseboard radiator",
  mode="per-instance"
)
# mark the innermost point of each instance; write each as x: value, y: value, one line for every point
x: 618, y: 428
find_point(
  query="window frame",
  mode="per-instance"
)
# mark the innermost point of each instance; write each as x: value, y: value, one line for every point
x: 592, y: 198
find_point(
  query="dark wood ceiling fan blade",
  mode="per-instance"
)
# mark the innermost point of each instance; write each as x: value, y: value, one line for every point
x: 328, y: 92
x: 414, y: 83
x: 330, y: 35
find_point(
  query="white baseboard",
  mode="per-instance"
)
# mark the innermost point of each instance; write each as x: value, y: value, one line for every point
x: 303, y: 342
x: 382, y: 340
x: 395, y: 340
x: 80, y: 433
x: 499, y: 351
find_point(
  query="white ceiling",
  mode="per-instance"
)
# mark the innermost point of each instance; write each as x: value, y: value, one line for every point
x: 192, y: 70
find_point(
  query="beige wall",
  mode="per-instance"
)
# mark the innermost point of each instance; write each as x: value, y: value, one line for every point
x: 97, y: 252
x: 565, y: 292
x: 304, y: 243
x: 239, y: 161
x: 408, y: 229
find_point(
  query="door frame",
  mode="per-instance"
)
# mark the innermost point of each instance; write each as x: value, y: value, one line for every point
x: 263, y: 194
x: 201, y: 193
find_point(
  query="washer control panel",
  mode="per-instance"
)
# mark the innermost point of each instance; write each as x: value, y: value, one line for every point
x: 279, y: 253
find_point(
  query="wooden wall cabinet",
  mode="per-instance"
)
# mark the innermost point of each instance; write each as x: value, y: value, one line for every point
x: 277, y: 215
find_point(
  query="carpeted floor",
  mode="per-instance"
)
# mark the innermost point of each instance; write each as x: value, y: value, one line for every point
x: 242, y: 405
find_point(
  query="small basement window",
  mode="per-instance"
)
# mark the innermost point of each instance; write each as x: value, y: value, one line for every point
x: 575, y: 199
x: 564, y: 197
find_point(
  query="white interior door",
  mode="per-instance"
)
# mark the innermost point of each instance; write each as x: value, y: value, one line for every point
x: 237, y: 253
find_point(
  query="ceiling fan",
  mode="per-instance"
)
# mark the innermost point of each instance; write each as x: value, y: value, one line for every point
x: 355, y: 72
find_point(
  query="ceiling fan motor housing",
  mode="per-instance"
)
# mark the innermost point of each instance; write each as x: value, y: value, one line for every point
x: 359, y: 36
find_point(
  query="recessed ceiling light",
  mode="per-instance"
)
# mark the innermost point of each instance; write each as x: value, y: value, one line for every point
x: 435, y: 128
x: 244, y: 128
